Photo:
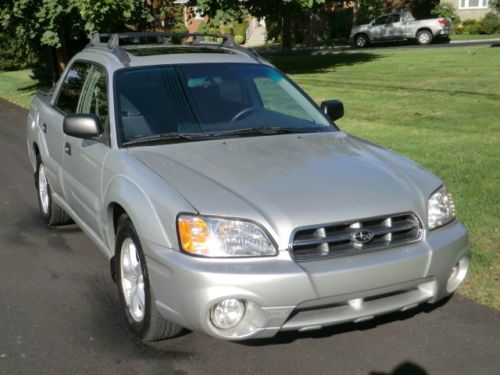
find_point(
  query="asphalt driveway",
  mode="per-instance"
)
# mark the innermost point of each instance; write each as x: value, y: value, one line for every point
x: 59, y: 312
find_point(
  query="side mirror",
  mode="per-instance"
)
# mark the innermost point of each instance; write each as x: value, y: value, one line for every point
x: 334, y: 109
x: 82, y: 126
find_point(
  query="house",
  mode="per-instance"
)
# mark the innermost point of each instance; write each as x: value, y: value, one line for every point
x: 470, y: 9
x: 256, y: 33
x: 193, y: 18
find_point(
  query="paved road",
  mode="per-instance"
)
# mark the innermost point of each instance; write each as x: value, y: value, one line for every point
x: 59, y: 315
x: 383, y: 46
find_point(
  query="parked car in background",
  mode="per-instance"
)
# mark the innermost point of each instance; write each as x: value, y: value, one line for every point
x: 400, y: 26
x: 227, y: 202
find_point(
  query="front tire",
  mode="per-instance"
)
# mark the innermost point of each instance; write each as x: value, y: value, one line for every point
x: 424, y: 37
x: 361, y: 41
x: 51, y: 213
x: 134, y: 288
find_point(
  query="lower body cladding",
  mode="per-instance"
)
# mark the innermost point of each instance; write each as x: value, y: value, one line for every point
x: 257, y: 297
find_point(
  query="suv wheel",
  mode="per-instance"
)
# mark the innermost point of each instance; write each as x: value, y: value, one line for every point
x: 424, y: 37
x: 51, y: 213
x: 134, y: 288
x: 361, y: 41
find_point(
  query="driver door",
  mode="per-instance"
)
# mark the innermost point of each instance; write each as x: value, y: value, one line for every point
x: 379, y: 28
x: 84, y: 158
x: 394, y: 28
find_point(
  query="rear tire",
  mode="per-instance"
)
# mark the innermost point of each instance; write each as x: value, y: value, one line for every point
x: 51, y: 213
x: 134, y: 288
x: 361, y: 41
x: 424, y: 37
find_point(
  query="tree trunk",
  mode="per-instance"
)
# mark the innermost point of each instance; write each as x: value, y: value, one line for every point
x: 62, y: 52
x: 287, y: 32
x: 355, y: 13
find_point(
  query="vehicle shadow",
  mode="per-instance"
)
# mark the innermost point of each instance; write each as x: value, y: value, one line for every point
x: 288, y: 337
x: 111, y: 332
x: 302, y: 62
x: 405, y: 368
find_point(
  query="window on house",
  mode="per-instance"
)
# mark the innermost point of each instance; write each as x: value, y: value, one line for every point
x: 198, y: 14
x: 474, y: 4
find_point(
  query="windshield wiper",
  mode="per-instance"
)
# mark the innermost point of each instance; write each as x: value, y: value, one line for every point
x: 269, y: 130
x: 166, y: 138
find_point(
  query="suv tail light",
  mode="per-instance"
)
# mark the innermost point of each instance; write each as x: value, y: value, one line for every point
x: 442, y: 21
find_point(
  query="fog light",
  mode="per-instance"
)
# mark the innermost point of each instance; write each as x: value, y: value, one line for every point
x: 227, y: 313
x: 458, y: 273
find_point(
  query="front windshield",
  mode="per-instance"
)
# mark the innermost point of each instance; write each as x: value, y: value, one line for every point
x: 210, y: 99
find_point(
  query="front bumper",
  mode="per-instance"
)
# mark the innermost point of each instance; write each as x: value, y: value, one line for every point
x: 282, y: 294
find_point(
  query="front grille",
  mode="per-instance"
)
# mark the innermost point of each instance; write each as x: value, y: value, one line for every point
x: 357, y: 236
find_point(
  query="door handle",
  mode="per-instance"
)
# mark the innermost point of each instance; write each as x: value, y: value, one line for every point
x: 67, y: 148
x: 44, y: 127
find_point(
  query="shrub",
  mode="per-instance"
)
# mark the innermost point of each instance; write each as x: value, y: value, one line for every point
x: 446, y: 10
x: 240, y: 28
x: 472, y: 27
x: 14, y: 55
x: 458, y: 28
x: 207, y: 28
x: 239, y: 39
x: 490, y: 23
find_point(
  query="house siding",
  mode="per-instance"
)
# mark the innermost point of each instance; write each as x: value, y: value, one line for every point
x: 467, y: 14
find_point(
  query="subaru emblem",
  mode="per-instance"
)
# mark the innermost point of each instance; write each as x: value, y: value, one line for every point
x: 363, y: 236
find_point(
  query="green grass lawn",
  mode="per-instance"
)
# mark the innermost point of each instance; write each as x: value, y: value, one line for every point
x: 474, y: 36
x: 17, y: 87
x: 439, y: 107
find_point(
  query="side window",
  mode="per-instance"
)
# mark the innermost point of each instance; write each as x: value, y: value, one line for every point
x: 394, y: 18
x: 94, y: 97
x: 72, y: 86
x: 381, y: 20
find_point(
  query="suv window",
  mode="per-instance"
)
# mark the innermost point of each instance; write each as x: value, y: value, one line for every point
x: 94, y: 97
x: 209, y: 99
x: 394, y: 18
x: 381, y: 20
x: 72, y: 86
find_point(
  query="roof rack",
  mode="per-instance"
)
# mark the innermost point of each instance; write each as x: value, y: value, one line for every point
x: 214, y: 40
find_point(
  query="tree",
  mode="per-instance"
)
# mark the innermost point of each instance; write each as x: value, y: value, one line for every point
x: 495, y: 5
x: 286, y: 9
x: 53, y: 30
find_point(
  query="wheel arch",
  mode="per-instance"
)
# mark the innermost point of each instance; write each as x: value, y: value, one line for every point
x: 124, y: 196
x: 362, y: 33
x: 34, y: 154
x: 424, y: 28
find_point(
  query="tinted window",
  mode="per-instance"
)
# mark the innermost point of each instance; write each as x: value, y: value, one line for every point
x: 382, y: 20
x: 72, y: 87
x: 209, y: 98
x: 394, y: 18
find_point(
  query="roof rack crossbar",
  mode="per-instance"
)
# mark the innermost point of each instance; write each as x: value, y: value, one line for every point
x: 113, y: 41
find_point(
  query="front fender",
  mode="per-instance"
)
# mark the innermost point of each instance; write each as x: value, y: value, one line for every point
x: 152, y: 212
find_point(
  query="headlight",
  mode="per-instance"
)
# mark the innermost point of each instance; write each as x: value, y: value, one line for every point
x: 441, y: 208
x: 217, y: 237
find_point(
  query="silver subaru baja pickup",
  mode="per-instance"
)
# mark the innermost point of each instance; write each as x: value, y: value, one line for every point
x: 226, y: 201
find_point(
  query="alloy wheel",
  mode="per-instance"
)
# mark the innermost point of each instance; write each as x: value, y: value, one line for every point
x: 132, y: 280
x: 43, y: 189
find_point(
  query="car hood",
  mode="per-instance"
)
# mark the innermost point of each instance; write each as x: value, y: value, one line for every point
x: 289, y: 181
